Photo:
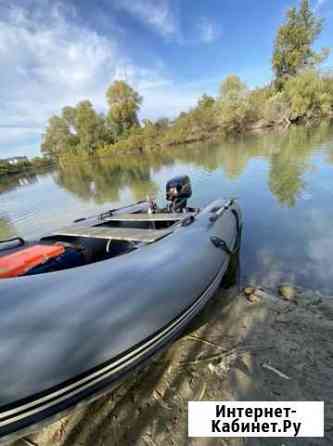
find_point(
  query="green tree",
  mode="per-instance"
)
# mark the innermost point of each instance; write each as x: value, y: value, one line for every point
x: 293, y: 45
x: 327, y: 79
x: 90, y: 127
x: 235, y: 108
x: 206, y: 101
x: 276, y: 109
x: 7, y: 229
x: 162, y: 123
x: 258, y: 99
x: 308, y: 96
x: 124, y: 103
x: 69, y: 116
x: 232, y: 88
x: 150, y: 133
x: 58, y: 137
x: 78, y: 128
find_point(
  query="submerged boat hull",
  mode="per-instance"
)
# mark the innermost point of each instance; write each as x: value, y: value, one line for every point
x: 86, y: 328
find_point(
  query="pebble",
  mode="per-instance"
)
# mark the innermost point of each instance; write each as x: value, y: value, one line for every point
x: 249, y: 290
x: 254, y: 295
x: 287, y: 292
x: 253, y: 298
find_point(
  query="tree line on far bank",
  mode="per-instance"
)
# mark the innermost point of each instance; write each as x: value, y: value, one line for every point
x: 30, y: 166
x: 300, y: 93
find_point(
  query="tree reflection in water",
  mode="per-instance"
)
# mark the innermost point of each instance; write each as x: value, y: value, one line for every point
x: 11, y: 182
x: 287, y: 236
x: 7, y: 229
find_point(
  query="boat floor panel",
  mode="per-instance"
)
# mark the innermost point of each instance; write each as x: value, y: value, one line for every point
x: 102, y: 232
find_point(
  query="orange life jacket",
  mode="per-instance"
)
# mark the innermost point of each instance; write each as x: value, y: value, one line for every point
x: 20, y: 262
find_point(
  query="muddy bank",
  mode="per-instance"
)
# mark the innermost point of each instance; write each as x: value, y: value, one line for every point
x: 222, y: 356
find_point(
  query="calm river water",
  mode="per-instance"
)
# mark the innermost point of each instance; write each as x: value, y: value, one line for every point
x: 284, y: 183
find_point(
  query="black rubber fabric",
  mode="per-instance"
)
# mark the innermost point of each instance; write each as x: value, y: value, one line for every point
x: 60, y: 325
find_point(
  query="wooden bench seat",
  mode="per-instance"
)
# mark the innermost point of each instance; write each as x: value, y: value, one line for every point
x: 103, y: 232
x: 148, y: 217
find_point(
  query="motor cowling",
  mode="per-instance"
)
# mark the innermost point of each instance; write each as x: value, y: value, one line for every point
x: 178, y: 191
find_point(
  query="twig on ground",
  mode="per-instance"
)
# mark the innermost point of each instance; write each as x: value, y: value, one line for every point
x: 210, y: 358
x: 203, y: 391
x: 26, y: 440
x: 274, y: 370
x: 198, y: 339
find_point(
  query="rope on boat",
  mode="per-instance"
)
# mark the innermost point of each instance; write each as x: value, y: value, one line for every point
x: 219, y: 242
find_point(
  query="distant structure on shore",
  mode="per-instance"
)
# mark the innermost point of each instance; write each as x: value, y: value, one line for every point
x: 15, y: 160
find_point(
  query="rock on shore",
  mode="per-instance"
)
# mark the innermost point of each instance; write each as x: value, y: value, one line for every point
x: 249, y: 346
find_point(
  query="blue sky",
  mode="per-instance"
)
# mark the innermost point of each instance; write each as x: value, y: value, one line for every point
x: 56, y: 53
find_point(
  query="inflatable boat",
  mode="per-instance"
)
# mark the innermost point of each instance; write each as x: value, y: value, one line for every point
x: 84, y: 305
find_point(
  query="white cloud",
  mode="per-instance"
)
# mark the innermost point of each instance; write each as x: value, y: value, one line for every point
x: 169, y: 102
x: 48, y: 61
x: 19, y: 141
x: 208, y: 31
x: 157, y: 14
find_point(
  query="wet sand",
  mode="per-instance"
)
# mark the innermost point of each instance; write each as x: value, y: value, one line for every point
x: 222, y: 356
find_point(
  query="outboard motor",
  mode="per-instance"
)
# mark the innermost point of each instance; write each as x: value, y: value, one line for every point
x: 178, y: 190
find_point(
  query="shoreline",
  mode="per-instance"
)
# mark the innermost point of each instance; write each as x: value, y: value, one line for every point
x: 30, y: 170
x: 214, y: 137
x: 256, y: 345
x: 260, y: 127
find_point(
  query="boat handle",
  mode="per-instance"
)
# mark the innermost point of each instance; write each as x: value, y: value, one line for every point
x: 220, y: 243
x: 10, y: 240
x: 216, y: 214
x: 188, y: 220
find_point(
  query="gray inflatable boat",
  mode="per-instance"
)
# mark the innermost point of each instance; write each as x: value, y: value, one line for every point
x: 125, y: 284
